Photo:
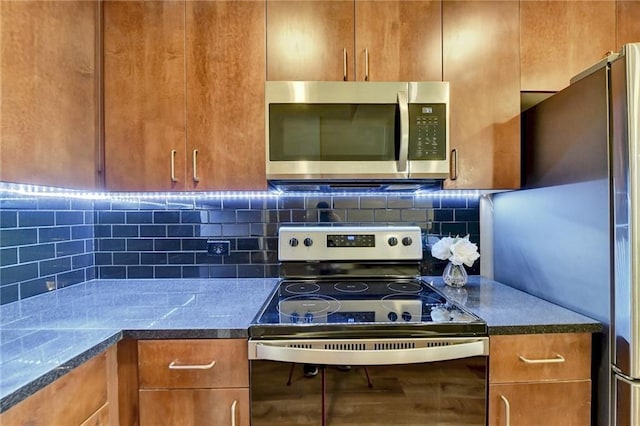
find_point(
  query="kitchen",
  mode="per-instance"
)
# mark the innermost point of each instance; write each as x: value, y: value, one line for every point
x: 186, y: 91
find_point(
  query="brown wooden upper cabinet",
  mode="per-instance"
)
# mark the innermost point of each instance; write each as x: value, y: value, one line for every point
x: 481, y: 62
x: 49, y: 118
x: 184, y: 95
x: 559, y: 39
x: 627, y: 18
x: 354, y: 40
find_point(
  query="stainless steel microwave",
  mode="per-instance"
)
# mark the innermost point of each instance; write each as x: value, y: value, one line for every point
x: 356, y: 131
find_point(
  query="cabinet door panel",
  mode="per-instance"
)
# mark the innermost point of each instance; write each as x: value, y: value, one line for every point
x: 49, y: 97
x: 481, y: 62
x: 193, y: 407
x: 403, y: 39
x: 628, y: 16
x: 554, y: 403
x: 305, y: 39
x: 144, y: 80
x: 225, y: 94
x: 559, y: 39
x: 70, y: 400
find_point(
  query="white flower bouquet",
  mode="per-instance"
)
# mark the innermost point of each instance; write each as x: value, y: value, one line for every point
x: 456, y: 250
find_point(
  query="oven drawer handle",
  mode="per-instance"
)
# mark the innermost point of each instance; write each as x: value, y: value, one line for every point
x: 265, y: 351
x: 557, y: 359
x: 175, y: 366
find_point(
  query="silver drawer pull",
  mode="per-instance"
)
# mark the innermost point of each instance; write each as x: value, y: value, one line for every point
x: 558, y: 359
x: 507, y: 410
x: 233, y: 412
x: 175, y: 366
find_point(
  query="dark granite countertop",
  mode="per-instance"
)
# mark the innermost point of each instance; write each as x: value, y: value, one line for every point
x: 43, y: 337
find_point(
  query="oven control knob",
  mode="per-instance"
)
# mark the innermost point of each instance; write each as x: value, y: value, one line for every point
x: 308, y: 242
x: 294, y: 317
x: 392, y: 316
x: 293, y: 242
x: 308, y: 317
x: 406, y: 316
x: 406, y: 241
x: 392, y: 241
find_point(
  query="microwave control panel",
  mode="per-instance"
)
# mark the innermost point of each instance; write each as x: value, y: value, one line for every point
x: 427, y: 132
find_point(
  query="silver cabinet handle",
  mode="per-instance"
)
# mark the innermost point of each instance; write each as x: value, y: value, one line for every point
x: 507, y: 410
x: 195, y: 166
x: 453, y: 165
x: 366, y: 64
x: 344, y: 64
x: 175, y: 366
x: 557, y: 359
x: 403, y: 103
x: 233, y: 412
x: 173, y: 165
x: 274, y: 352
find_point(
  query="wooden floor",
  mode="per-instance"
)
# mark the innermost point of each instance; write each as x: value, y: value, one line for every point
x: 445, y: 393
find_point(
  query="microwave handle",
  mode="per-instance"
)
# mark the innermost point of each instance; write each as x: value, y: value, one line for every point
x: 403, y: 104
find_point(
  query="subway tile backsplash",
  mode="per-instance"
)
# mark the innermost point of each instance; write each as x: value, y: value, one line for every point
x: 52, y: 242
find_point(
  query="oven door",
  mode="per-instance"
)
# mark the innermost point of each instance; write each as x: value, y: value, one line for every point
x: 369, y: 382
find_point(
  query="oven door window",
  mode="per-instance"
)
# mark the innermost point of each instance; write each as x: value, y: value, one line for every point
x: 333, y: 132
x: 446, y: 392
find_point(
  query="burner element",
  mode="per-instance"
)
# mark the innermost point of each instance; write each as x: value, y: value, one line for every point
x: 302, y: 288
x: 351, y: 287
x: 307, y: 309
x: 405, y: 287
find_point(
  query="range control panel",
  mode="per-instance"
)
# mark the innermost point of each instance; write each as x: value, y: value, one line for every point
x: 349, y: 243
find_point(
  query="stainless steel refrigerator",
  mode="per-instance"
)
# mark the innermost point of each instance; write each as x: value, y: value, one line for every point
x: 572, y: 235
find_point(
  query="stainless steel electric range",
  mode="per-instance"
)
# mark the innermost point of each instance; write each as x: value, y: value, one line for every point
x: 352, y: 335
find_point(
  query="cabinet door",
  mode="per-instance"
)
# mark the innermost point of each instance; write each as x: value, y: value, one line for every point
x: 559, y: 39
x: 144, y: 83
x: 628, y: 16
x: 481, y: 62
x: 194, y: 407
x: 403, y: 40
x: 49, y: 97
x: 306, y: 40
x: 225, y: 95
x: 553, y: 403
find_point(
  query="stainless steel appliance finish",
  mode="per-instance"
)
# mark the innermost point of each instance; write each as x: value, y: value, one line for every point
x: 582, y: 174
x: 345, y: 132
x: 351, y: 335
x: 625, y: 150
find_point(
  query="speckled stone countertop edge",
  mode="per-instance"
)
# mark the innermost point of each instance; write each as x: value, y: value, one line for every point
x: 595, y: 327
x: 54, y: 374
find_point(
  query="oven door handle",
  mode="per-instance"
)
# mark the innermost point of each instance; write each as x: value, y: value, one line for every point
x: 274, y: 351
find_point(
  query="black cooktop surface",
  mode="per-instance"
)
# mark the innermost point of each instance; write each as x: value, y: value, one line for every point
x: 361, y: 307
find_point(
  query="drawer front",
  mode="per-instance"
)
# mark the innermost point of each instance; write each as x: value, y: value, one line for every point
x: 70, y: 400
x: 183, y: 364
x: 539, y: 357
x: 534, y: 404
x: 194, y: 407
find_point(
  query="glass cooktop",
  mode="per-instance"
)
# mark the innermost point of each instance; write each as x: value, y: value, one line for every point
x: 362, y: 307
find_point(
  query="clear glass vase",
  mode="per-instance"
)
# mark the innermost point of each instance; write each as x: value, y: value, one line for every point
x: 455, y: 275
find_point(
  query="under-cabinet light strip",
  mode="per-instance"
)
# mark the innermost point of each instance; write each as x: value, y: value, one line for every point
x: 47, y: 191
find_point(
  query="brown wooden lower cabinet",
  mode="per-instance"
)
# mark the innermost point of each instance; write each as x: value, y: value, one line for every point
x: 551, y: 404
x: 540, y: 379
x: 86, y: 396
x: 191, y: 407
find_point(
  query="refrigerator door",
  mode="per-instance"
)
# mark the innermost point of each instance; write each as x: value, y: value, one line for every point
x: 627, y: 402
x: 625, y: 152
